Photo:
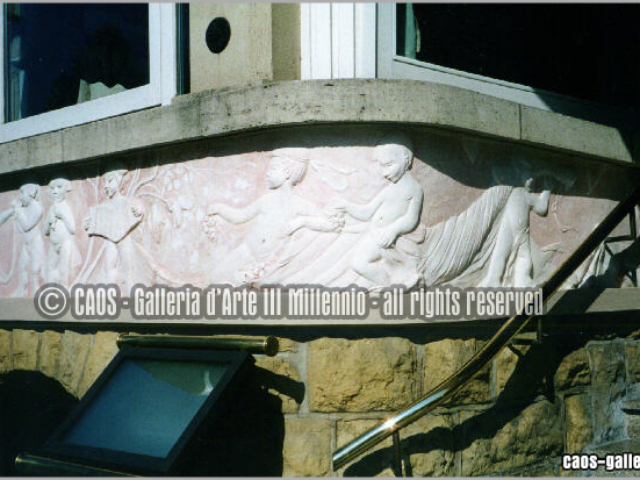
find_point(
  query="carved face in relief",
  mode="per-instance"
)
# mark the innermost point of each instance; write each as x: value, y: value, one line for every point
x: 29, y: 192
x: 394, y: 160
x: 112, y: 181
x: 58, y: 189
x: 277, y: 174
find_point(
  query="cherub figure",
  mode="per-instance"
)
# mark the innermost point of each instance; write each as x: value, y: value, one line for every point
x: 27, y: 213
x: 393, y: 212
x: 114, y: 220
x: 278, y: 213
x: 60, y: 227
x: 513, y: 242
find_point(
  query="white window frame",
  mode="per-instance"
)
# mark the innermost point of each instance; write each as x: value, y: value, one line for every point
x: 390, y: 66
x: 159, y: 91
x: 338, y: 40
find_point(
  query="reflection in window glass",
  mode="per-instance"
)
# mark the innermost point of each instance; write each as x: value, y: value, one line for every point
x: 145, y: 406
x: 64, y: 54
x: 585, y: 51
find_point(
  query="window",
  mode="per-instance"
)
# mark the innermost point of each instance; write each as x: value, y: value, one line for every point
x: 143, y: 410
x: 66, y: 64
x: 581, y: 60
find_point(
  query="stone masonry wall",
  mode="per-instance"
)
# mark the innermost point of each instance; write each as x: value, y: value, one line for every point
x: 533, y: 403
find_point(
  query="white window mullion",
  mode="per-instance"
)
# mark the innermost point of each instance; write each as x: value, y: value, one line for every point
x: 338, y: 40
x: 167, y: 32
x: 321, y: 40
x: 365, y: 40
x: 343, y: 40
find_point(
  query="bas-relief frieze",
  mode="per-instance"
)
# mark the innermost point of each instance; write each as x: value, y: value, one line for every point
x: 401, y: 208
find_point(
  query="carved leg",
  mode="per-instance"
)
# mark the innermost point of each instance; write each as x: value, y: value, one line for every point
x: 523, y: 266
x: 36, y: 254
x: 111, y: 262
x: 498, y: 260
x: 23, y: 276
x: 127, y: 259
x: 365, y: 263
x: 51, y: 272
x: 64, y: 263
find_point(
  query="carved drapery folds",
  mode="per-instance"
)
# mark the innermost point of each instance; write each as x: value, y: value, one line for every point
x: 371, y: 209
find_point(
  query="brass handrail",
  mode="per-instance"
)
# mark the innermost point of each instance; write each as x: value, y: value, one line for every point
x: 510, y: 329
x: 268, y: 345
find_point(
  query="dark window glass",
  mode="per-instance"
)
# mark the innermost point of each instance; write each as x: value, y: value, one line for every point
x: 585, y: 51
x: 63, y: 54
x: 146, y: 406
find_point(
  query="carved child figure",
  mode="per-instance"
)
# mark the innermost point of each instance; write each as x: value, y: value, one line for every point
x: 27, y: 213
x: 393, y: 212
x: 279, y: 212
x: 114, y: 220
x: 60, y: 227
x: 513, y: 242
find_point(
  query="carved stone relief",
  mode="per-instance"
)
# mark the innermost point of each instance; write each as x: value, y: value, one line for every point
x: 333, y: 208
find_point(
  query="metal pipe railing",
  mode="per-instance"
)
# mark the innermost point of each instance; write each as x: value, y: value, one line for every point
x: 443, y: 392
x: 268, y: 345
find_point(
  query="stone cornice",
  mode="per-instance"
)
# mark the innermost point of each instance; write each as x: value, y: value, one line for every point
x: 255, y: 107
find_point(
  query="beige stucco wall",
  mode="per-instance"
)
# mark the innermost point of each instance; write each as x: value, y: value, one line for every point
x: 264, y: 44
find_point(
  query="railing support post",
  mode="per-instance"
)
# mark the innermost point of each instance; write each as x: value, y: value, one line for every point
x: 397, y: 454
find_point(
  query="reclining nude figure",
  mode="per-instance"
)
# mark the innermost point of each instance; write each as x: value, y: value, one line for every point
x: 275, y: 216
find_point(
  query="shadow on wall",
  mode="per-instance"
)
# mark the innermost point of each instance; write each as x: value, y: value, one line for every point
x: 32, y: 406
x: 531, y: 382
x: 248, y: 439
x: 532, y: 377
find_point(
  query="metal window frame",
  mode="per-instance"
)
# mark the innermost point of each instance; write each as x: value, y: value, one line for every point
x: 238, y: 362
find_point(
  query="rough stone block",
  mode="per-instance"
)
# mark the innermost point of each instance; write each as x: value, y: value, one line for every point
x: 444, y: 358
x: 545, y: 468
x: 431, y: 446
x: 101, y: 353
x: 607, y: 365
x: 25, y: 349
x: 609, y: 421
x: 360, y: 375
x: 6, y: 361
x: 428, y: 445
x: 500, y: 441
x: 285, y: 384
x: 633, y: 426
x: 377, y: 462
x: 49, y: 357
x: 633, y: 361
x: 307, y: 447
x: 579, y: 431
x: 506, y: 363
x: 573, y: 370
x: 73, y: 354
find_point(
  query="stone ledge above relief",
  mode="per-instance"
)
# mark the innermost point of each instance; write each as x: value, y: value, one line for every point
x: 256, y: 107
x: 322, y: 206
